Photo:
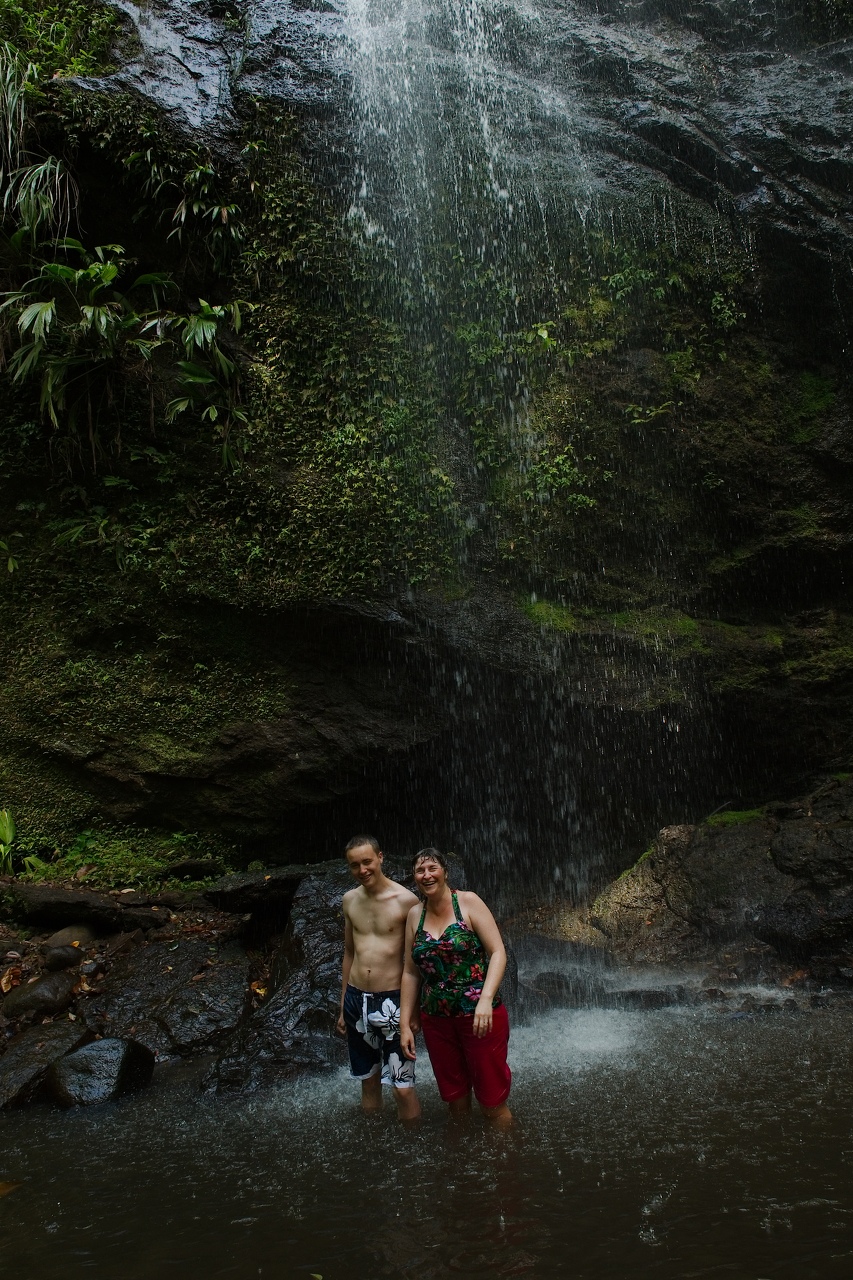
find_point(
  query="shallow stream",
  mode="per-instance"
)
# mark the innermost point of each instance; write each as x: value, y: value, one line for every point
x: 676, y: 1143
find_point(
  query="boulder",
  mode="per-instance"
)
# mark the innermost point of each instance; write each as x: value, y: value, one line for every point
x: 295, y: 1030
x: 175, y: 998
x: 62, y: 957
x: 45, y: 997
x: 49, y: 904
x: 100, y: 1072
x: 269, y: 893
x: 782, y: 877
x: 30, y: 1055
x: 79, y: 933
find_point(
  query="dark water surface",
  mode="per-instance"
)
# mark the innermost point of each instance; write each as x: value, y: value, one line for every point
x: 659, y: 1145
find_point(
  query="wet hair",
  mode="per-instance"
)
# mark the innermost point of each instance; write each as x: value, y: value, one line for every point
x: 358, y: 841
x: 435, y: 855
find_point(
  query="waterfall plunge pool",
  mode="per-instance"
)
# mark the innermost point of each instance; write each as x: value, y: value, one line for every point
x: 675, y: 1143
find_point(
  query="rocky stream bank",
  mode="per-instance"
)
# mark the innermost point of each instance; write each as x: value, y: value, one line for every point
x: 751, y: 912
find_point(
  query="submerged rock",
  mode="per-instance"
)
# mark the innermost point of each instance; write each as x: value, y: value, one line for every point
x: 30, y: 1055
x: 100, y: 1072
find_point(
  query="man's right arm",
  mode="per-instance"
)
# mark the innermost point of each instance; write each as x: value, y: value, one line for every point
x: 349, y: 954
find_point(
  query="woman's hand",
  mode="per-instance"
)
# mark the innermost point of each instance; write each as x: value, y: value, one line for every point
x: 483, y: 1017
x: 407, y: 1043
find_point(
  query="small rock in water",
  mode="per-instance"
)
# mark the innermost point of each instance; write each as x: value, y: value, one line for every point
x: 48, y: 995
x: 100, y: 1072
x: 61, y: 957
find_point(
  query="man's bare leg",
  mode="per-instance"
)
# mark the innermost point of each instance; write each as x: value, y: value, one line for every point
x: 371, y: 1093
x: 460, y: 1106
x: 408, y: 1104
x: 500, y: 1117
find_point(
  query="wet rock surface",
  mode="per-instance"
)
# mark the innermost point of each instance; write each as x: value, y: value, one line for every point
x: 176, y: 998
x: 46, y: 996
x: 100, y: 1072
x: 28, y: 1057
x: 54, y: 905
x: 294, y: 1030
x: 747, y: 109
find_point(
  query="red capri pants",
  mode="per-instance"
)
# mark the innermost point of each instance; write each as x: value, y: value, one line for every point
x: 462, y: 1061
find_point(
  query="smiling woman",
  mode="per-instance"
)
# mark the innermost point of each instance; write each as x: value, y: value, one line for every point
x: 455, y: 958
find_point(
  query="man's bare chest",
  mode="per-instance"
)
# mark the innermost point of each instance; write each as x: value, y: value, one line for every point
x: 377, y: 923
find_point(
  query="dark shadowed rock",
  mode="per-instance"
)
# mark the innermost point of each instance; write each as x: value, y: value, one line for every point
x: 294, y: 1030
x: 176, y: 999
x: 267, y: 892
x: 192, y: 869
x: 44, y: 997
x: 647, y: 997
x: 62, y: 957
x: 567, y: 990
x: 807, y: 922
x: 48, y: 904
x: 100, y: 1072
x: 29, y: 1056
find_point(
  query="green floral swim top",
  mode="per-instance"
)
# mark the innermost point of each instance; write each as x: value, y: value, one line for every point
x: 453, y: 967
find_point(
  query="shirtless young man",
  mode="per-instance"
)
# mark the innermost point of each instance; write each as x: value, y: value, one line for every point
x: 375, y: 923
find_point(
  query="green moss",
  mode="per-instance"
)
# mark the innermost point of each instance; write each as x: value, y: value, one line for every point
x: 660, y: 627
x: 552, y: 617
x: 734, y: 817
x: 629, y: 871
x: 827, y: 666
x: 123, y: 857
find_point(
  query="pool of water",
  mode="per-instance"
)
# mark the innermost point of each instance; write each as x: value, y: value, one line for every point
x: 679, y: 1143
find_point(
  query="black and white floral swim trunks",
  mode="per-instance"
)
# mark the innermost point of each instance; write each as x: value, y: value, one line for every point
x: 373, y: 1037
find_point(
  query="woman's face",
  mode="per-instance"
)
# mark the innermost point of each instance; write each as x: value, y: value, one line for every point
x: 430, y: 877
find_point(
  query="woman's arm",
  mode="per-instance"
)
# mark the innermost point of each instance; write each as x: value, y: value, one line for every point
x: 484, y: 925
x: 410, y: 988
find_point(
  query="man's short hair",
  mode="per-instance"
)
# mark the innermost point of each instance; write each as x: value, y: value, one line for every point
x: 358, y: 841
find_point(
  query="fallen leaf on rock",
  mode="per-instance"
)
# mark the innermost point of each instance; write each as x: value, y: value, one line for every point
x: 197, y: 977
x: 258, y: 988
x: 11, y: 978
x: 6, y: 1187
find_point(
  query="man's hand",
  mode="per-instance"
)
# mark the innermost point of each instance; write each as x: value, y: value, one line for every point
x: 407, y: 1043
x: 340, y: 1025
x: 483, y: 1018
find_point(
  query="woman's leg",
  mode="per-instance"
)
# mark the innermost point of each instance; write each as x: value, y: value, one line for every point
x: 488, y: 1068
x: 443, y: 1040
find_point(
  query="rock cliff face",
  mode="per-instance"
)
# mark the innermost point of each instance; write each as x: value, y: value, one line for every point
x: 579, y: 675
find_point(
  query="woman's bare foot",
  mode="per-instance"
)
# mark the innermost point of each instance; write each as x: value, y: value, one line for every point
x: 500, y: 1117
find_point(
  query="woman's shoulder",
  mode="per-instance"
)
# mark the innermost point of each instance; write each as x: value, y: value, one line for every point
x: 415, y: 911
x: 467, y: 899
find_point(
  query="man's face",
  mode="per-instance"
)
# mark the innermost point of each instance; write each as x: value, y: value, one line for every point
x: 365, y: 864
